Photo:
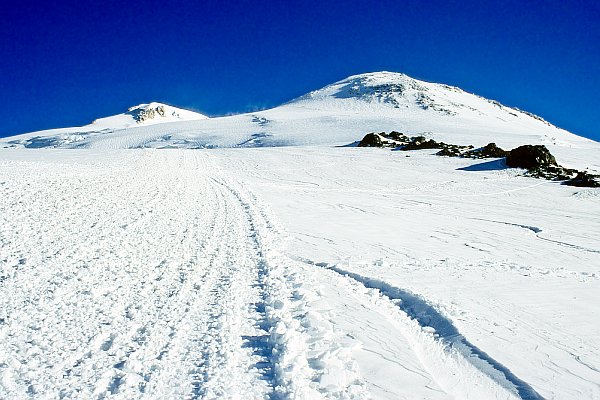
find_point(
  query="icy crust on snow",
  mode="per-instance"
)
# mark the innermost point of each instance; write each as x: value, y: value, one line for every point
x: 339, y: 114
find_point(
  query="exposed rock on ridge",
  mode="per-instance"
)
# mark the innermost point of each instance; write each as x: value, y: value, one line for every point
x: 141, y: 114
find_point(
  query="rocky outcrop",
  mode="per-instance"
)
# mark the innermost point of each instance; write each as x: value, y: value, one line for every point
x: 398, y: 141
x: 421, y: 143
x: 583, y: 179
x: 372, y: 140
x: 530, y: 157
x: 143, y: 114
x: 540, y: 163
x: 536, y: 159
x: 454, y: 150
x: 490, y: 150
x: 398, y: 137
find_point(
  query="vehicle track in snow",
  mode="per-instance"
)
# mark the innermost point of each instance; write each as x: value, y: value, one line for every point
x: 459, y: 367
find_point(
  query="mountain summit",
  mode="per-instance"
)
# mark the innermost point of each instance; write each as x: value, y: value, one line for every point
x: 393, y: 90
x: 338, y: 114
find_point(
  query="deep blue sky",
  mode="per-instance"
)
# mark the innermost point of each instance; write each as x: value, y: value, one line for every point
x: 66, y: 63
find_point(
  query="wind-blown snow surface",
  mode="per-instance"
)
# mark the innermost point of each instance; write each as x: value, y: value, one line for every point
x: 298, y: 272
x: 167, y: 274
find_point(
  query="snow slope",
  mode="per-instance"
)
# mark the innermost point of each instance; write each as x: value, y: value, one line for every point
x: 513, y: 262
x: 340, y: 114
x: 293, y: 273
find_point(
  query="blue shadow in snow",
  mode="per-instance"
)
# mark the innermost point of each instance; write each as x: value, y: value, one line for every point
x: 494, y: 165
x: 353, y: 144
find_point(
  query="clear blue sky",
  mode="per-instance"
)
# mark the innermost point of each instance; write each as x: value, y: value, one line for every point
x: 66, y: 63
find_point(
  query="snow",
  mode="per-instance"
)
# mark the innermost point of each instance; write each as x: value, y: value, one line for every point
x: 508, y: 259
x: 156, y: 273
x: 121, y: 123
x: 287, y: 267
x: 338, y: 114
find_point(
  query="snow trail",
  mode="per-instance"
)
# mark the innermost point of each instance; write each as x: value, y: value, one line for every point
x: 155, y: 279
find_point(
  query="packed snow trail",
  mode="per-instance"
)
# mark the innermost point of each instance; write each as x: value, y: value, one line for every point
x: 132, y: 267
x: 152, y: 279
x: 168, y: 278
x: 158, y: 274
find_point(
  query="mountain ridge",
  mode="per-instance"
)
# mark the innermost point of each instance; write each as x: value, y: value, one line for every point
x: 388, y: 81
x: 337, y: 114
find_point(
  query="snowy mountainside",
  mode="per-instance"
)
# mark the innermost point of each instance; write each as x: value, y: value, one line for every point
x: 141, y: 115
x: 338, y: 114
x: 149, y: 114
x: 441, y: 111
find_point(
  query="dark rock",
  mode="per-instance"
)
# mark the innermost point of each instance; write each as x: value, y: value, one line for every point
x: 559, y: 173
x: 448, y: 151
x: 453, y: 150
x: 371, y: 140
x: 490, y: 150
x: 420, y: 143
x: 530, y: 157
x: 536, y: 159
x: 398, y: 136
x: 583, y: 179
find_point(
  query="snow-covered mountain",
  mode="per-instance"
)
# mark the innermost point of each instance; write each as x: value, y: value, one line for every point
x: 338, y: 114
x: 142, y: 115
x: 281, y: 265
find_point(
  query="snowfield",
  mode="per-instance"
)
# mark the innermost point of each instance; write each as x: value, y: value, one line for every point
x: 277, y: 264
x: 158, y: 273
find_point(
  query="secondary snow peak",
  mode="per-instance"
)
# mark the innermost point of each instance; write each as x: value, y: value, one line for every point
x: 143, y: 113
